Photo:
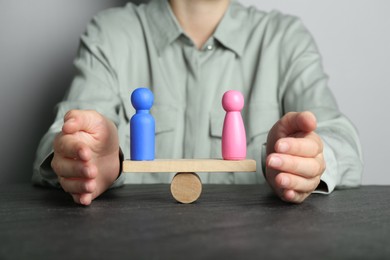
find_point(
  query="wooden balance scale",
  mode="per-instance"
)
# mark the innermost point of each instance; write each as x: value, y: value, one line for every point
x: 186, y: 186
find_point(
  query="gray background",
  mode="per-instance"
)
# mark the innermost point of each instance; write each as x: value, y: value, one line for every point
x: 38, y: 41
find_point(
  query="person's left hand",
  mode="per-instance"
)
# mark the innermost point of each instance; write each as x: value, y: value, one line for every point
x: 295, y: 159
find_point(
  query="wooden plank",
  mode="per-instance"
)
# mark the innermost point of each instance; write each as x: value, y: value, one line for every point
x: 190, y: 165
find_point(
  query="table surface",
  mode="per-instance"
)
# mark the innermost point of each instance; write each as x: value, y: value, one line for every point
x: 227, y: 222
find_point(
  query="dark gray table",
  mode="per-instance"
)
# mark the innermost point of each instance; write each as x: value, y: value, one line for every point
x: 227, y: 222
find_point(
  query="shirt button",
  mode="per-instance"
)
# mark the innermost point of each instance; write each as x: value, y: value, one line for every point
x: 209, y: 47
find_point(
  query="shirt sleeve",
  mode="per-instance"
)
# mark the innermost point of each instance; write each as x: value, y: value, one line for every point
x: 94, y: 87
x: 306, y: 88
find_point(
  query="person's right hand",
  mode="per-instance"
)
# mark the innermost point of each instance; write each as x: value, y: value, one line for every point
x: 86, y: 155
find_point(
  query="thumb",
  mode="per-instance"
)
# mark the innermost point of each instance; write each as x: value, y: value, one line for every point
x: 291, y: 124
x: 295, y: 122
x: 81, y: 120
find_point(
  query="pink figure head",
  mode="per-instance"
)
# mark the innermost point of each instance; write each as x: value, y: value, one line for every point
x: 232, y: 100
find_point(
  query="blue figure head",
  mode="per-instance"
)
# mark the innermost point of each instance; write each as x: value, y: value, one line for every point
x: 142, y: 99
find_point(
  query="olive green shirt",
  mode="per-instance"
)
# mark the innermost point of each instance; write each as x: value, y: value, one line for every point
x: 270, y: 57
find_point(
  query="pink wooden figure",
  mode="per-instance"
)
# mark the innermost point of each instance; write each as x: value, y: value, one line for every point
x: 233, y: 133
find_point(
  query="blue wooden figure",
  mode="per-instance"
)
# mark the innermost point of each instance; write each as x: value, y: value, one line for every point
x: 142, y: 126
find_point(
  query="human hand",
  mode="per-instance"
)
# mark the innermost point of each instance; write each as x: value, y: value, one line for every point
x: 295, y: 159
x: 86, y: 155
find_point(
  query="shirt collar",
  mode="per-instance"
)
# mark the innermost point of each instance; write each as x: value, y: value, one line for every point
x: 163, y: 24
x: 165, y: 28
x: 231, y: 30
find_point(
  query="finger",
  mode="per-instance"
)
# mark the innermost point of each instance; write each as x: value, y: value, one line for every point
x: 288, y: 181
x: 70, y: 168
x: 270, y: 177
x: 294, y: 122
x: 285, y: 194
x: 81, y: 120
x: 68, y: 146
x: 78, y: 186
x: 305, y: 167
x: 310, y: 146
x: 76, y: 198
x: 293, y: 196
x: 85, y: 199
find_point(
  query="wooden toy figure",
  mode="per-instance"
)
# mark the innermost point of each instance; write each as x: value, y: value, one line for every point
x: 142, y: 126
x: 233, y: 133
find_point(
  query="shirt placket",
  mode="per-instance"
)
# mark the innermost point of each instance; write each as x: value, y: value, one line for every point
x: 192, y: 93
